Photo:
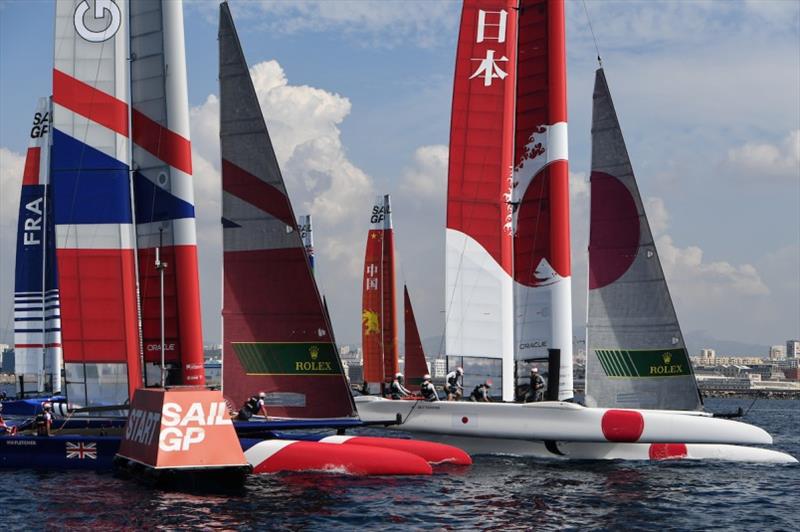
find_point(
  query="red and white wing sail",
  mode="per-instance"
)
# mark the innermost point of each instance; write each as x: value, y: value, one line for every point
x: 542, y: 277
x: 478, y: 301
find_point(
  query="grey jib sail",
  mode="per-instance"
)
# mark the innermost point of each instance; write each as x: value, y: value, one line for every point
x: 636, y: 356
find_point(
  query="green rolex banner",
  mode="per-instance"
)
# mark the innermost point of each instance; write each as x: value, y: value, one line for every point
x: 300, y: 358
x: 634, y: 363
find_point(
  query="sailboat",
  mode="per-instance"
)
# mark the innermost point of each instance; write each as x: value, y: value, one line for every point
x: 508, y: 257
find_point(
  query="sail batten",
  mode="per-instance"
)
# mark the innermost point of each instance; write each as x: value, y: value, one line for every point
x: 277, y: 338
x: 636, y: 355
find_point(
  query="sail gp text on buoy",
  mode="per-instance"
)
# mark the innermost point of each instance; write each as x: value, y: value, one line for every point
x: 183, y: 430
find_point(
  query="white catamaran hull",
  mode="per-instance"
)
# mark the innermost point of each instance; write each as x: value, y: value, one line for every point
x: 580, y: 432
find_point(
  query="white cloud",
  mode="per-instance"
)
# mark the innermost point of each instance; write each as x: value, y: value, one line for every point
x: 758, y: 160
x: 657, y: 215
x: 427, y: 177
x: 368, y: 23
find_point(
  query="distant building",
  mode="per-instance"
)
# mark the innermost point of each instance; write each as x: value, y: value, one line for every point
x: 708, y: 356
x: 777, y: 352
x: 793, y: 349
x: 7, y: 360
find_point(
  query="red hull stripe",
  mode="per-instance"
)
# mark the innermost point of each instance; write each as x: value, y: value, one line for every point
x: 362, y: 460
x: 90, y: 102
x: 256, y: 192
x: 668, y: 451
x: 28, y: 346
x: 30, y: 175
x: 167, y: 145
x: 622, y: 425
x: 435, y: 453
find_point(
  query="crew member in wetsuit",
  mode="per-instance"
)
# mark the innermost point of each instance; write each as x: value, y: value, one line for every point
x: 255, y: 405
x: 427, y: 389
x: 4, y: 428
x: 398, y: 391
x: 44, y: 420
x: 536, y: 391
x: 454, y: 384
x: 481, y: 393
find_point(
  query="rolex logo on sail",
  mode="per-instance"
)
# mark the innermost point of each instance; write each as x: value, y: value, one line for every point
x: 313, y: 365
x: 667, y: 368
x: 643, y: 363
x: 290, y: 358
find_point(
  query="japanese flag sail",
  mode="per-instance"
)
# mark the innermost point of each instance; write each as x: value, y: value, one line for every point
x: 378, y: 319
x: 163, y: 188
x: 540, y: 191
x: 277, y: 336
x: 478, y: 298
x: 635, y: 353
x: 92, y: 201
x: 37, y: 312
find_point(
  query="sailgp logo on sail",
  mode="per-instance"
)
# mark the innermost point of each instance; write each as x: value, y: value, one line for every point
x: 98, y: 30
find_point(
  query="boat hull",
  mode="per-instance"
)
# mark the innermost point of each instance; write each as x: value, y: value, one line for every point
x: 556, y: 421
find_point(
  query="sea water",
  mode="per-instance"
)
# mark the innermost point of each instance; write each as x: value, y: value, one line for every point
x: 499, y: 493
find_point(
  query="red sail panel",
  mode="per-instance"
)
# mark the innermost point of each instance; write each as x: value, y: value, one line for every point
x: 542, y: 220
x: 277, y: 338
x: 372, y: 308
x: 416, y: 366
x: 390, y: 346
x: 482, y: 126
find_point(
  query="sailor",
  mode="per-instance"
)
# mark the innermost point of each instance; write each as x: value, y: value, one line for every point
x: 454, y: 384
x: 4, y: 428
x: 44, y: 420
x: 427, y: 389
x: 398, y: 391
x: 480, y: 393
x: 536, y: 391
x: 256, y: 405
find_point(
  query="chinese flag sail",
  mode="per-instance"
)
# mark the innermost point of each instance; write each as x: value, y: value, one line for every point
x: 478, y: 240
x: 378, y: 319
x: 277, y: 337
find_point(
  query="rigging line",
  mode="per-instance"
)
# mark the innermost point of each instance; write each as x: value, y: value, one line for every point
x: 591, y: 29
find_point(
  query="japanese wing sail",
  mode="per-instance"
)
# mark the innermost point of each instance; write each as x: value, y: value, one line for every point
x: 540, y: 191
x: 277, y: 338
x: 92, y: 201
x: 478, y: 274
x: 163, y: 188
x: 636, y: 356
x: 416, y: 365
x: 378, y: 319
x: 37, y: 313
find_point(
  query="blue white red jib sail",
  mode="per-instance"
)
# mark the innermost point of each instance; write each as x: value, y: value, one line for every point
x: 37, y: 315
x: 507, y: 240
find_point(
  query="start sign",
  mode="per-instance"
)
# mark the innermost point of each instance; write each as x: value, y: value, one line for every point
x: 185, y: 428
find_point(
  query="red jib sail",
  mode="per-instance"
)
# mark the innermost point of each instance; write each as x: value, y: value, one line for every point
x: 378, y: 320
x: 416, y: 366
x: 277, y: 338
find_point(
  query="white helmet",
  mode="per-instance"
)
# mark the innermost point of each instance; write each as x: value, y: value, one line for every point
x: 426, y: 377
x: 398, y: 375
x: 534, y: 370
x: 460, y: 370
x: 262, y: 395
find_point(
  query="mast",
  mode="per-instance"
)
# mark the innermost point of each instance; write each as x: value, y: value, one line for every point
x: 277, y: 336
x: 635, y: 353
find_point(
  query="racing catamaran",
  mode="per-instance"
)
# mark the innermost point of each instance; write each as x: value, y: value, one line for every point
x: 508, y: 260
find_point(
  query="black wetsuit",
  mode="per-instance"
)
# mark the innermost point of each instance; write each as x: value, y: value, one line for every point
x: 428, y: 391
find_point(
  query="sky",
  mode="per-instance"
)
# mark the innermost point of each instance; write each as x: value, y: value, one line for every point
x: 356, y: 96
